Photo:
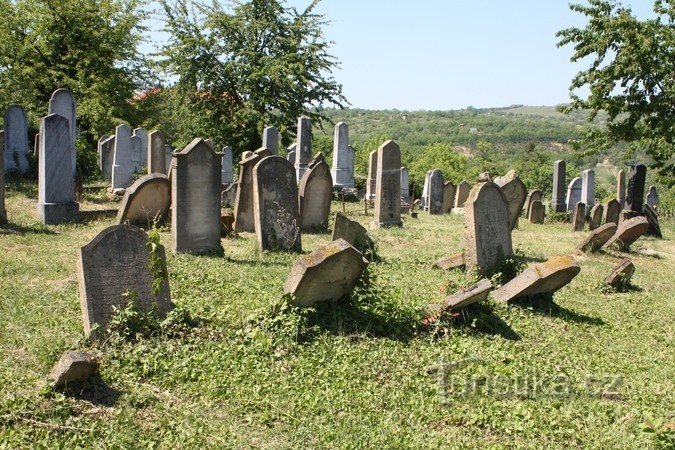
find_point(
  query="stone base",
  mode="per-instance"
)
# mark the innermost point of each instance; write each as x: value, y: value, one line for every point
x: 56, y: 213
x: 559, y: 207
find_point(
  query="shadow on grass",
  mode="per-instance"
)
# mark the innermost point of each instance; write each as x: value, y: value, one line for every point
x: 95, y: 391
x: 544, y: 304
x: 97, y: 214
x: 257, y: 263
x: 482, y: 319
x: 12, y: 228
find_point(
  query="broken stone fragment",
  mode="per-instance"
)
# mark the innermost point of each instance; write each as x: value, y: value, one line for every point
x: 450, y: 262
x: 73, y: 367
x: 541, y: 278
x: 621, y: 273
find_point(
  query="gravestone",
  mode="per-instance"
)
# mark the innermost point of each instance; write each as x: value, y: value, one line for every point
x: 652, y: 217
x: 579, y: 217
x: 372, y: 176
x: 343, y: 158
x: 463, y: 190
x: 147, y: 201
x: 168, y: 158
x: 629, y: 231
x: 424, y: 200
x: 588, y: 189
x: 115, y: 263
x: 56, y: 186
x: 537, y: 212
x: 436, y: 187
x: 653, y: 197
x: 228, y: 196
x: 275, y: 205
x: 62, y: 103
x: 123, y: 163
x: 558, y: 198
x: 405, y: 185
x: 636, y: 187
x: 573, y: 194
x: 612, y: 211
x: 533, y: 195
x: 106, y: 152
x: 352, y: 232
x: 487, y: 232
x: 620, y: 273
x: 291, y: 156
x: 621, y: 188
x: 227, y: 173
x: 3, y: 210
x: 195, y: 199
x: 156, y: 152
x: 449, y: 191
x: 388, y: 186
x: 16, y: 140
x: 451, y: 262
x: 243, y: 203
x: 316, y: 192
x: 303, y: 153
x: 142, y: 134
x: 327, y: 274
x: 515, y: 193
x: 541, y: 278
x: 270, y: 140
x: 468, y: 296
x: 598, y: 238
x: 138, y: 156
x: 596, y: 217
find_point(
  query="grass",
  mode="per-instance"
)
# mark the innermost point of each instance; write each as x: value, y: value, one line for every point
x: 249, y: 371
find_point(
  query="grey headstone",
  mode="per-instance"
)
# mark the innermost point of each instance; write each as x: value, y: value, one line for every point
x: 138, y: 156
x: 436, y: 188
x: 533, y: 195
x: 316, y: 191
x: 291, y: 156
x: 168, y: 158
x: 107, y: 157
x: 147, y: 201
x: 352, y: 232
x: 16, y: 140
x: 142, y: 134
x: 405, y: 184
x: 157, y: 152
x: 537, y: 212
x: 99, y: 150
x: 195, y: 199
x: 62, y: 103
x: 227, y: 174
x: 388, y: 186
x: 653, y: 197
x: 303, y: 153
x: 628, y: 232
x: 449, y: 192
x: 270, y: 140
x: 56, y: 185
x: 579, y: 217
x: 117, y: 262
x: 588, y: 189
x: 372, y: 176
x: 468, y: 296
x: 343, y: 158
x: 541, y: 278
x: 573, y: 194
x: 123, y: 162
x: 636, y: 187
x: 596, y: 217
x: 243, y: 204
x: 558, y: 198
x: 463, y: 190
x: 612, y: 211
x: 515, y: 193
x: 598, y: 237
x: 424, y: 200
x: 621, y: 188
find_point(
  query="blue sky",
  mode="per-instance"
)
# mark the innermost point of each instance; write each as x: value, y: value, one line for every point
x: 451, y: 54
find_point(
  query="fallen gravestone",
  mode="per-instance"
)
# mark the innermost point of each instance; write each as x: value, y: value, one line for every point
x: 579, y: 217
x: 326, y: 274
x: 352, y: 232
x: 468, y: 296
x: 450, y: 262
x: 621, y: 273
x: 315, y: 193
x: 537, y: 212
x: 653, y: 219
x: 515, y: 193
x: 541, y: 278
x: 73, y: 367
x: 147, y: 201
x: 629, y: 231
x: 596, y: 217
x: 598, y: 237
x: 114, y: 269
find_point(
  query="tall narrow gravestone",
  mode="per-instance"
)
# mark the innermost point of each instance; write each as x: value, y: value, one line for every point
x: 436, y: 187
x: 579, y: 217
x: 123, y: 164
x: 372, y: 176
x: 243, y: 203
x: 3, y: 211
x: 275, y: 209
x: 137, y: 152
x: 424, y: 201
x: 142, y: 135
x: 636, y: 187
x: 388, y: 186
x: 227, y: 175
x: 303, y: 153
x: 573, y: 194
x: 270, y: 140
x: 114, y: 269
x: 621, y: 188
x: 100, y: 150
x: 56, y: 186
x: 343, y: 158
x: 463, y: 190
x: 168, y: 158
x: 195, y: 199
x: 515, y: 193
x: 449, y: 190
x: 487, y: 231
x: 16, y: 140
x: 156, y: 152
x: 62, y: 103
x: 558, y: 198
x: 588, y: 189
x: 405, y: 185
x: 315, y: 190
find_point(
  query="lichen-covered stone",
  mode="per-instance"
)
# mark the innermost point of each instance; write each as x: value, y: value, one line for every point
x: 629, y: 231
x: 541, y: 278
x: 598, y: 237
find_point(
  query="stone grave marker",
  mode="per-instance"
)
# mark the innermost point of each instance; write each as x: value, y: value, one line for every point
x: 475, y: 293
x: 270, y: 140
x: 588, y: 189
x: 352, y: 232
x: 620, y: 273
x: 436, y: 188
x: 156, y: 150
x: 138, y: 156
x: 195, y: 199
x: 227, y: 173
x: 123, y: 159
x: 573, y: 194
x: 168, y: 158
x: 16, y: 140
x: 405, y: 185
x: 343, y: 158
x: 653, y: 197
x: 463, y: 190
x: 515, y: 193
x: 636, y: 187
x: 372, y: 176
x: 534, y: 194
x: 653, y: 219
x: 303, y: 153
x: 579, y: 217
x: 3, y: 210
x: 558, y: 198
x: 105, y: 155
x: 629, y: 231
x: 449, y: 191
x: 243, y: 203
x: 541, y: 278
x: 596, y: 217
x: 316, y: 192
x: 275, y: 205
x: 598, y: 237
x: 612, y: 211
x: 388, y: 186
x: 537, y: 212
x: 142, y: 135
x: 62, y: 103
x: 451, y: 262
x: 148, y: 200
x: 621, y: 188
x: 114, y: 263
x: 424, y: 200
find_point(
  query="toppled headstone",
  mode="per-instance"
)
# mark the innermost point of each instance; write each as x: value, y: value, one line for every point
x: 653, y: 219
x: 629, y: 231
x: 352, y: 232
x: 73, y: 367
x: 596, y: 217
x: 326, y: 274
x: 621, y: 273
x: 468, y: 296
x: 579, y: 217
x: 147, y: 201
x: 541, y: 278
x: 450, y: 262
x: 515, y: 193
x: 598, y: 237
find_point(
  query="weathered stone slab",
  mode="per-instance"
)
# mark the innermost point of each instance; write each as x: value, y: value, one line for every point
x: 558, y: 198
x: 326, y: 274
x: 515, y: 193
x: 451, y: 262
x: 123, y: 161
x: 579, y: 217
x: 537, y: 212
x: 156, y: 152
x: 588, y: 189
x: 147, y: 201
x: 541, y: 278
x: 473, y: 294
x: 653, y: 219
x: 436, y: 188
x: 612, y: 211
x: 227, y: 173
x: 243, y: 204
x: 303, y: 153
x: 573, y: 194
x: 104, y: 152
x: 486, y: 227
x: 596, y: 217
x: 372, y: 176
x: 598, y: 237
x: 73, y: 367
x: 352, y: 232
x: 275, y: 205
x: 621, y: 188
x: 168, y: 158
x: 16, y: 140
x: 405, y: 184
x: 449, y: 192
x: 463, y: 190
x: 62, y: 103
x: 636, y: 187
x: 138, y: 156
x: 343, y: 158
x: 195, y: 198
x: 3, y: 210
x: 316, y: 192
x: 653, y: 197
x: 388, y: 186
x: 628, y: 232
x: 270, y: 140
x: 117, y: 262
x: 534, y: 194
x: 620, y: 273
x: 424, y: 200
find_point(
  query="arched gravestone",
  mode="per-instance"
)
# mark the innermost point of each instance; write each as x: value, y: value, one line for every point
x: 275, y: 208
x: 515, y: 193
x: 537, y: 212
x: 573, y: 194
x: 3, y: 211
x: 388, y: 186
x: 463, y: 190
x: 156, y: 152
x: 424, y: 200
x: 114, y: 263
x: 123, y: 163
x: 316, y: 190
x: 486, y: 228
x: 243, y: 203
x: 436, y: 188
x: 534, y: 194
x: 146, y: 201
x: 16, y: 140
x: 195, y: 198
x: 449, y: 190
x: 596, y: 217
x: 62, y: 103
x: 612, y: 211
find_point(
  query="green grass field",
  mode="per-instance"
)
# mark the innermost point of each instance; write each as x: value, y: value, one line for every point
x: 234, y: 367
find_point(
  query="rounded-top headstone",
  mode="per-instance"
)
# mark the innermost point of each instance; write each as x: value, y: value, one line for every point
x: 146, y: 202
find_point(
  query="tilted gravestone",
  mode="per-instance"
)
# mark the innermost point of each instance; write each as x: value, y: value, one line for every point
x: 463, y: 190
x: 3, y: 211
x: 621, y: 188
x: 270, y: 140
x: 579, y: 217
x: 147, y: 201
x: 405, y: 185
x: 372, y: 176
x: 534, y: 194
x: 388, y: 186
x: 243, y: 203
x: 596, y: 217
x: 275, y: 205
x: 588, y: 189
x: 316, y: 192
x: 537, y: 212
x: 123, y: 160
x: 227, y: 174
x: 653, y: 197
x: 449, y: 191
x: 515, y: 193
x: 620, y: 273
x: 16, y: 140
x: 195, y: 199
x: 487, y: 232
x: 558, y: 198
x: 303, y: 152
x: 598, y: 238
x: 629, y: 231
x: 468, y: 296
x: 541, y: 278
x: 56, y: 186
x: 573, y: 194
x: 636, y: 187
x: 115, y: 269
x: 352, y: 232
x: 612, y: 211
x: 436, y: 187
x: 156, y: 152
x: 62, y: 103
x: 343, y: 158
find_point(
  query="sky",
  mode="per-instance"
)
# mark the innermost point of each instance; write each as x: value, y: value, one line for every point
x: 452, y: 54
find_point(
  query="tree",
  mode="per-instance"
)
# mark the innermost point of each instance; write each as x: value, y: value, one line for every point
x: 251, y: 65
x: 439, y: 156
x: 630, y: 78
x: 87, y: 46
